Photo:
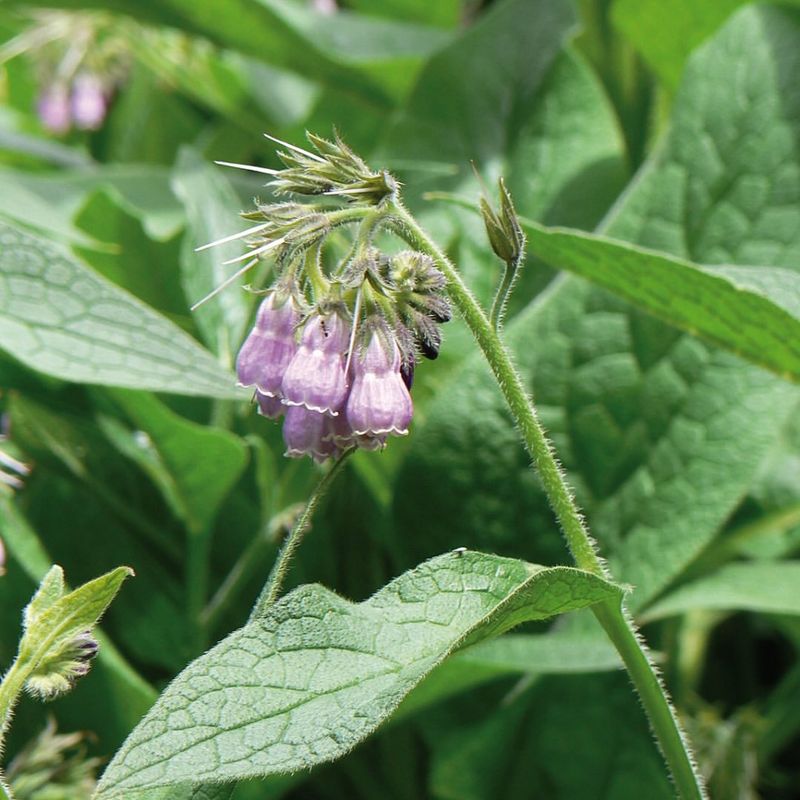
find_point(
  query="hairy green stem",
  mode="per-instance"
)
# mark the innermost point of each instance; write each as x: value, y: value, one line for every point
x: 269, y: 594
x: 615, y: 621
x: 5, y: 790
x: 10, y: 689
x: 497, y: 311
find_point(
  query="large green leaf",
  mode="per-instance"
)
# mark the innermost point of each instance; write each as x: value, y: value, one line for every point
x: 201, y: 463
x: 666, y: 31
x: 661, y: 434
x: 540, y: 117
x: 212, y: 212
x: 566, y: 737
x: 461, y: 108
x: 753, y: 311
x: 560, y: 652
x: 59, y: 317
x: 316, y: 674
x: 769, y: 586
x: 142, y: 190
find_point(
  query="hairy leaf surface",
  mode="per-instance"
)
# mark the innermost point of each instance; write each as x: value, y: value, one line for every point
x: 641, y: 415
x: 753, y: 311
x: 316, y: 674
x: 60, y: 317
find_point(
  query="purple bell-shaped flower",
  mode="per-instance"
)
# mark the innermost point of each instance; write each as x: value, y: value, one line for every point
x: 270, y: 347
x: 316, y: 377
x: 268, y: 406
x: 89, y: 102
x: 54, y: 108
x: 379, y: 401
x: 308, y: 433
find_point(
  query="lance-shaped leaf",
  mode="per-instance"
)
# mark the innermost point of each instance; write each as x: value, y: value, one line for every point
x: 58, y: 617
x: 60, y: 317
x: 753, y: 311
x: 770, y: 587
x: 315, y: 675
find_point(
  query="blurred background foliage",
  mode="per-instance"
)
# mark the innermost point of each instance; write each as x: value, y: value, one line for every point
x: 669, y: 123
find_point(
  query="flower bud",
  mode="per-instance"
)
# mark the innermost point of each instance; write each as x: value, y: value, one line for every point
x: 503, y: 229
x: 57, y: 672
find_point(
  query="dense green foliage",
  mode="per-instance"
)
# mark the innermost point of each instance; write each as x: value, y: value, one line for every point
x: 653, y: 152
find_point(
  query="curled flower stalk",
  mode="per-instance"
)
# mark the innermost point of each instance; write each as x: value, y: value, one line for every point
x: 392, y: 305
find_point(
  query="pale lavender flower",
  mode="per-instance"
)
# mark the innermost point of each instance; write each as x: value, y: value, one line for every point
x: 379, y: 402
x: 88, y: 101
x: 54, y: 108
x: 316, y: 377
x: 268, y: 406
x: 308, y: 433
x: 270, y: 347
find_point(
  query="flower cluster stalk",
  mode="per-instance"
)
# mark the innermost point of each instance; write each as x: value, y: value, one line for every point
x: 272, y: 588
x: 616, y: 622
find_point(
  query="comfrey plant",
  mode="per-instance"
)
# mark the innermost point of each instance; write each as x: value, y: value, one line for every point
x: 333, y: 350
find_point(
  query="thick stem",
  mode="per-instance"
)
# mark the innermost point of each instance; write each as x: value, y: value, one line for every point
x: 269, y: 594
x: 615, y: 621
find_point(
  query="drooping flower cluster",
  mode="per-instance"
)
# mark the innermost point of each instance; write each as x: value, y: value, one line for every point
x: 336, y: 339
x: 80, y: 57
x: 81, y: 104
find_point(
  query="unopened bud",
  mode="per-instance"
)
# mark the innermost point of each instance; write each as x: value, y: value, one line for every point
x: 57, y: 672
x: 503, y: 229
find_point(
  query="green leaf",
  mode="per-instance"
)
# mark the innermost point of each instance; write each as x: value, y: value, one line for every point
x: 70, y: 615
x: 752, y: 311
x: 129, y: 257
x: 661, y: 434
x: 212, y: 213
x: 769, y: 587
x: 317, y: 674
x: 559, y: 652
x: 142, y: 190
x: 540, y: 118
x: 184, y: 791
x: 666, y: 33
x: 461, y: 108
x: 202, y: 463
x: 51, y: 589
x: 443, y: 12
x: 578, y: 736
x: 59, y: 317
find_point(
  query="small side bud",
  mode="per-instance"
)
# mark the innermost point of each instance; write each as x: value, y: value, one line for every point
x: 508, y: 242
x: 57, y: 672
x: 503, y: 229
